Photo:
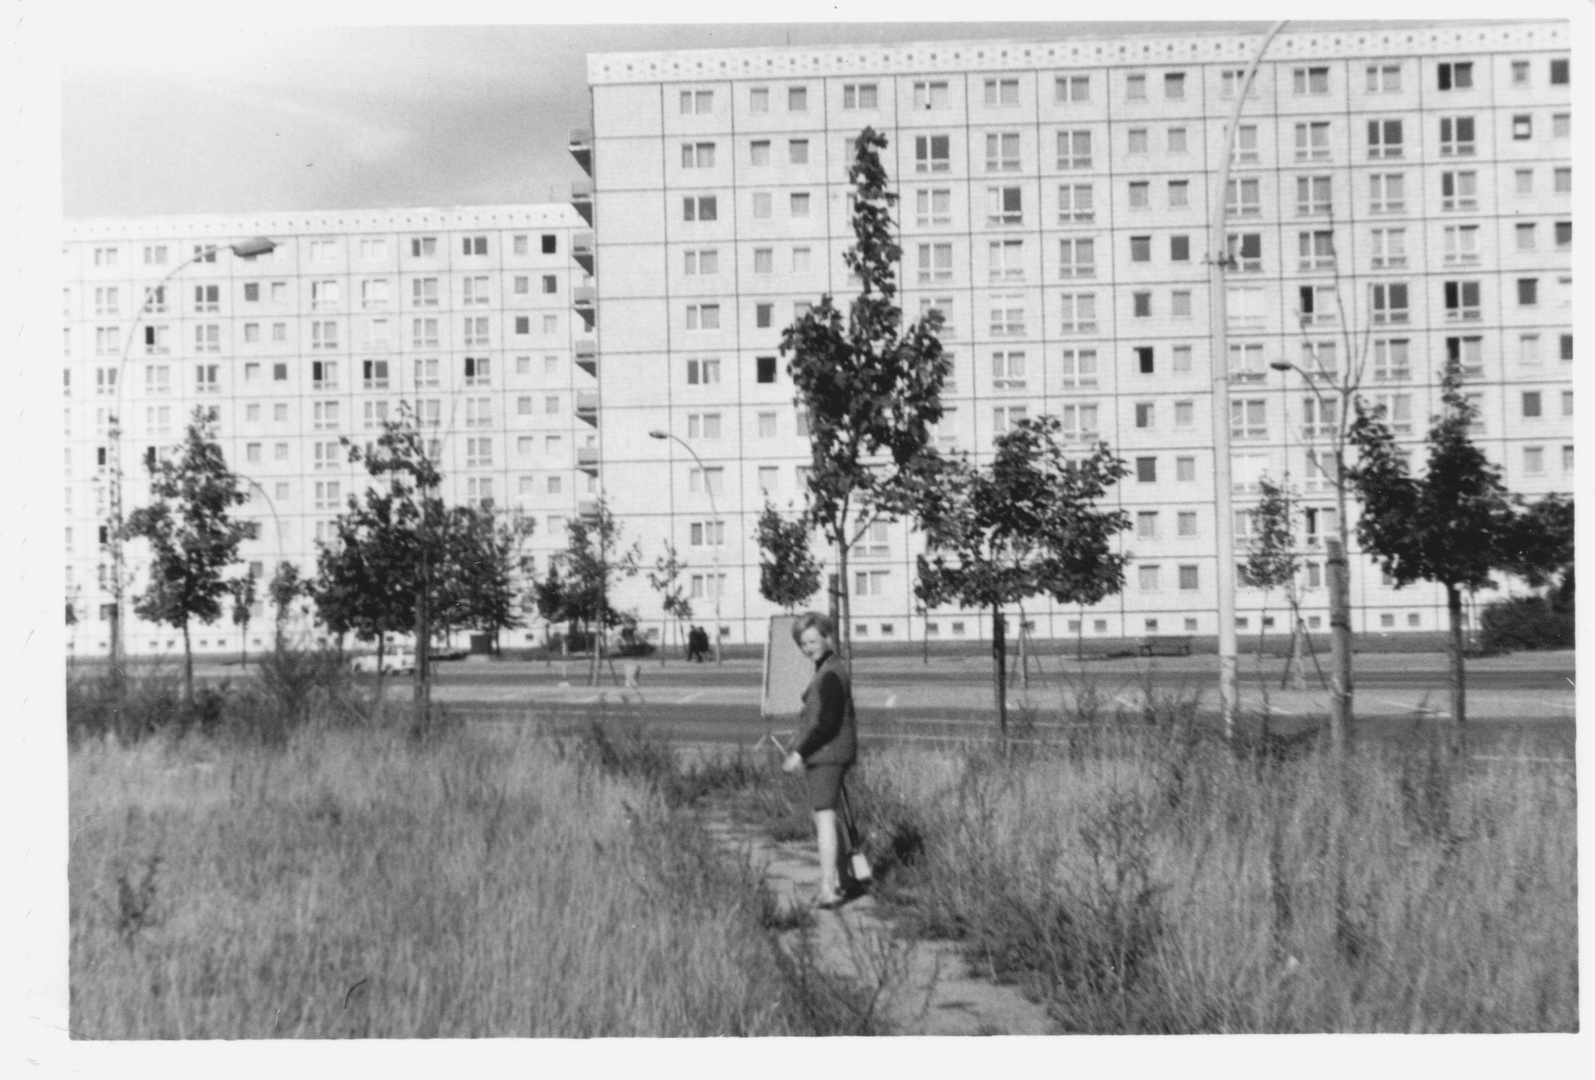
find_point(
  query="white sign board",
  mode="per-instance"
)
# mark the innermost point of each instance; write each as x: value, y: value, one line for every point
x: 786, y: 672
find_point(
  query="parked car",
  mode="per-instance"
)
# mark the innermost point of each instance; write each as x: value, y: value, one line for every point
x: 399, y: 661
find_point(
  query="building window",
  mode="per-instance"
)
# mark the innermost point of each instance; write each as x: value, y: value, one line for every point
x: 1145, y: 361
x: 1074, y: 149
x: 1531, y: 405
x: 1384, y: 79
x: 703, y: 372
x: 1141, y: 305
x: 1146, y: 525
x: 1245, y: 251
x: 1390, y: 302
x: 1560, y: 72
x: 703, y: 425
x: 1316, y: 250
x: 1243, y: 198
x: 698, y: 263
x: 1455, y: 75
x: 1461, y: 300
x: 1459, y: 190
x: 1135, y: 87
x: 932, y: 153
x: 1007, y: 262
x: 478, y: 371
x: 1079, y: 313
x: 933, y: 206
x: 1312, y: 140
x: 1006, y: 418
x: 698, y: 155
x: 1140, y: 249
x: 703, y: 316
x: 424, y: 292
x: 1079, y: 368
x: 1079, y: 422
x: 1075, y: 203
x: 860, y: 96
x: 207, y: 338
x: 1384, y: 139
x: 1137, y: 141
x: 697, y: 102
x: 1068, y: 89
x: 1461, y: 243
x: 1396, y: 411
x: 1140, y: 194
x: 473, y: 245
x: 1248, y: 419
x: 1313, y: 81
x: 1004, y: 206
x: 1146, y: 418
x: 1002, y: 152
x: 797, y: 99
x: 1077, y: 257
x: 1387, y: 193
x: 1174, y: 86
x: 1245, y: 152
x: 1522, y: 126
x: 1389, y: 248
x: 1008, y: 369
x: 799, y: 204
x: 1007, y: 316
x: 1179, y: 193
x: 699, y: 208
x: 1002, y: 92
x: 935, y: 263
x: 1528, y: 292
x: 1457, y: 136
x: 1390, y: 360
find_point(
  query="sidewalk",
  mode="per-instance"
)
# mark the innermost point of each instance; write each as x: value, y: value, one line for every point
x: 926, y: 988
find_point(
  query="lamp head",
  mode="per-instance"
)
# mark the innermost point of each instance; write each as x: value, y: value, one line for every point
x: 256, y: 245
x: 657, y: 434
x: 1281, y: 365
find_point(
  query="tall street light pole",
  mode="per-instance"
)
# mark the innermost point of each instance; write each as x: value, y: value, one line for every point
x: 1224, y: 496
x: 1337, y: 570
x: 717, y: 526
x: 258, y: 245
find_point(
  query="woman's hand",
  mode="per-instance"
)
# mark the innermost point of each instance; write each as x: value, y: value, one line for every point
x: 792, y: 763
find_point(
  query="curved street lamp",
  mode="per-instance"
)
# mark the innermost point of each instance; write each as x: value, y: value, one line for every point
x: 709, y: 490
x: 257, y: 245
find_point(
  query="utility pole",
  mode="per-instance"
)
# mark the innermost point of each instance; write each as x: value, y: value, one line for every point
x: 1224, y: 496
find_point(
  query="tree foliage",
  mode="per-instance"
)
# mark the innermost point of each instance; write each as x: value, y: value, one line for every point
x: 192, y: 534
x: 665, y: 579
x: 480, y: 582
x: 1456, y: 524
x: 1026, y: 524
x: 1271, y: 557
x: 869, y: 383
x: 593, y: 560
x: 788, y: 572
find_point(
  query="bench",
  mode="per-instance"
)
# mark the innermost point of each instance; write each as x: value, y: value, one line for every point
x: 1166, y: 645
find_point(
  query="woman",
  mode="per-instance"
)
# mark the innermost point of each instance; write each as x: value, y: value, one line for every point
x: 828, y: 745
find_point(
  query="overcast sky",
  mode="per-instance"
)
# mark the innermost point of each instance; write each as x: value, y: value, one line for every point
x: 284, y: 118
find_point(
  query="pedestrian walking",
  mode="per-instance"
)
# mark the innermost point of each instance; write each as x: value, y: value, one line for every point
x: 827, y: 745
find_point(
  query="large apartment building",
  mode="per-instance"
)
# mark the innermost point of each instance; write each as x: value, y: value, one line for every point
x: 1398, y: 196
x: 474, y: 316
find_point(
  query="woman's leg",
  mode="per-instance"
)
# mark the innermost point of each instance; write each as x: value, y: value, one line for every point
x: 830, y: 877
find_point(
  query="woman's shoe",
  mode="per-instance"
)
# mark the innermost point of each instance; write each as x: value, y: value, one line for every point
x: 829, y: 904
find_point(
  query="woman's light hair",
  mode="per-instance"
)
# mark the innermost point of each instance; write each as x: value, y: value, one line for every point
x: 823, y: 623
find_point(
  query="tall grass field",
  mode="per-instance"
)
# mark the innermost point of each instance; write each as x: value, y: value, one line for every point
x: 359, y: 883
x: 281, y: 860
x: 1162, y: 884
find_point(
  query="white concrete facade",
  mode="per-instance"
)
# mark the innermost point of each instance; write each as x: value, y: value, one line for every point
x: 465, y: 313
x: 1405, y: 188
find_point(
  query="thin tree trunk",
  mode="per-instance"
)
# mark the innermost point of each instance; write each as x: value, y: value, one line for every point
x: 999, y: 660
x: 846, y: 603
x: 1459, y: 693
x: 188, y: 667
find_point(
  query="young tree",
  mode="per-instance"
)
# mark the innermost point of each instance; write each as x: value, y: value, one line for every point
x: 788, y: 572
x: 192, y: 534
x: 242, y: 589
x: 1453, y: 525
x: 1272, y: 563
x: 364, y: 574
x: 1024, y: 525
x: 481, y: 580
x: 869, y: 385
x: 665, y: 579
x: 415, y: 544
x: 593, y: 560
x: 285, y: 586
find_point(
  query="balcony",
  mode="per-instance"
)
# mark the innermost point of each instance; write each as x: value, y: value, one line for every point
x: 581, y: 197
x: 587, y: 406
x: 581, y: 248
x: 587, y: 357
x: 587, y: 459
x: 581, y: 148
x: 587, y: 508
x: 584, y: 298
